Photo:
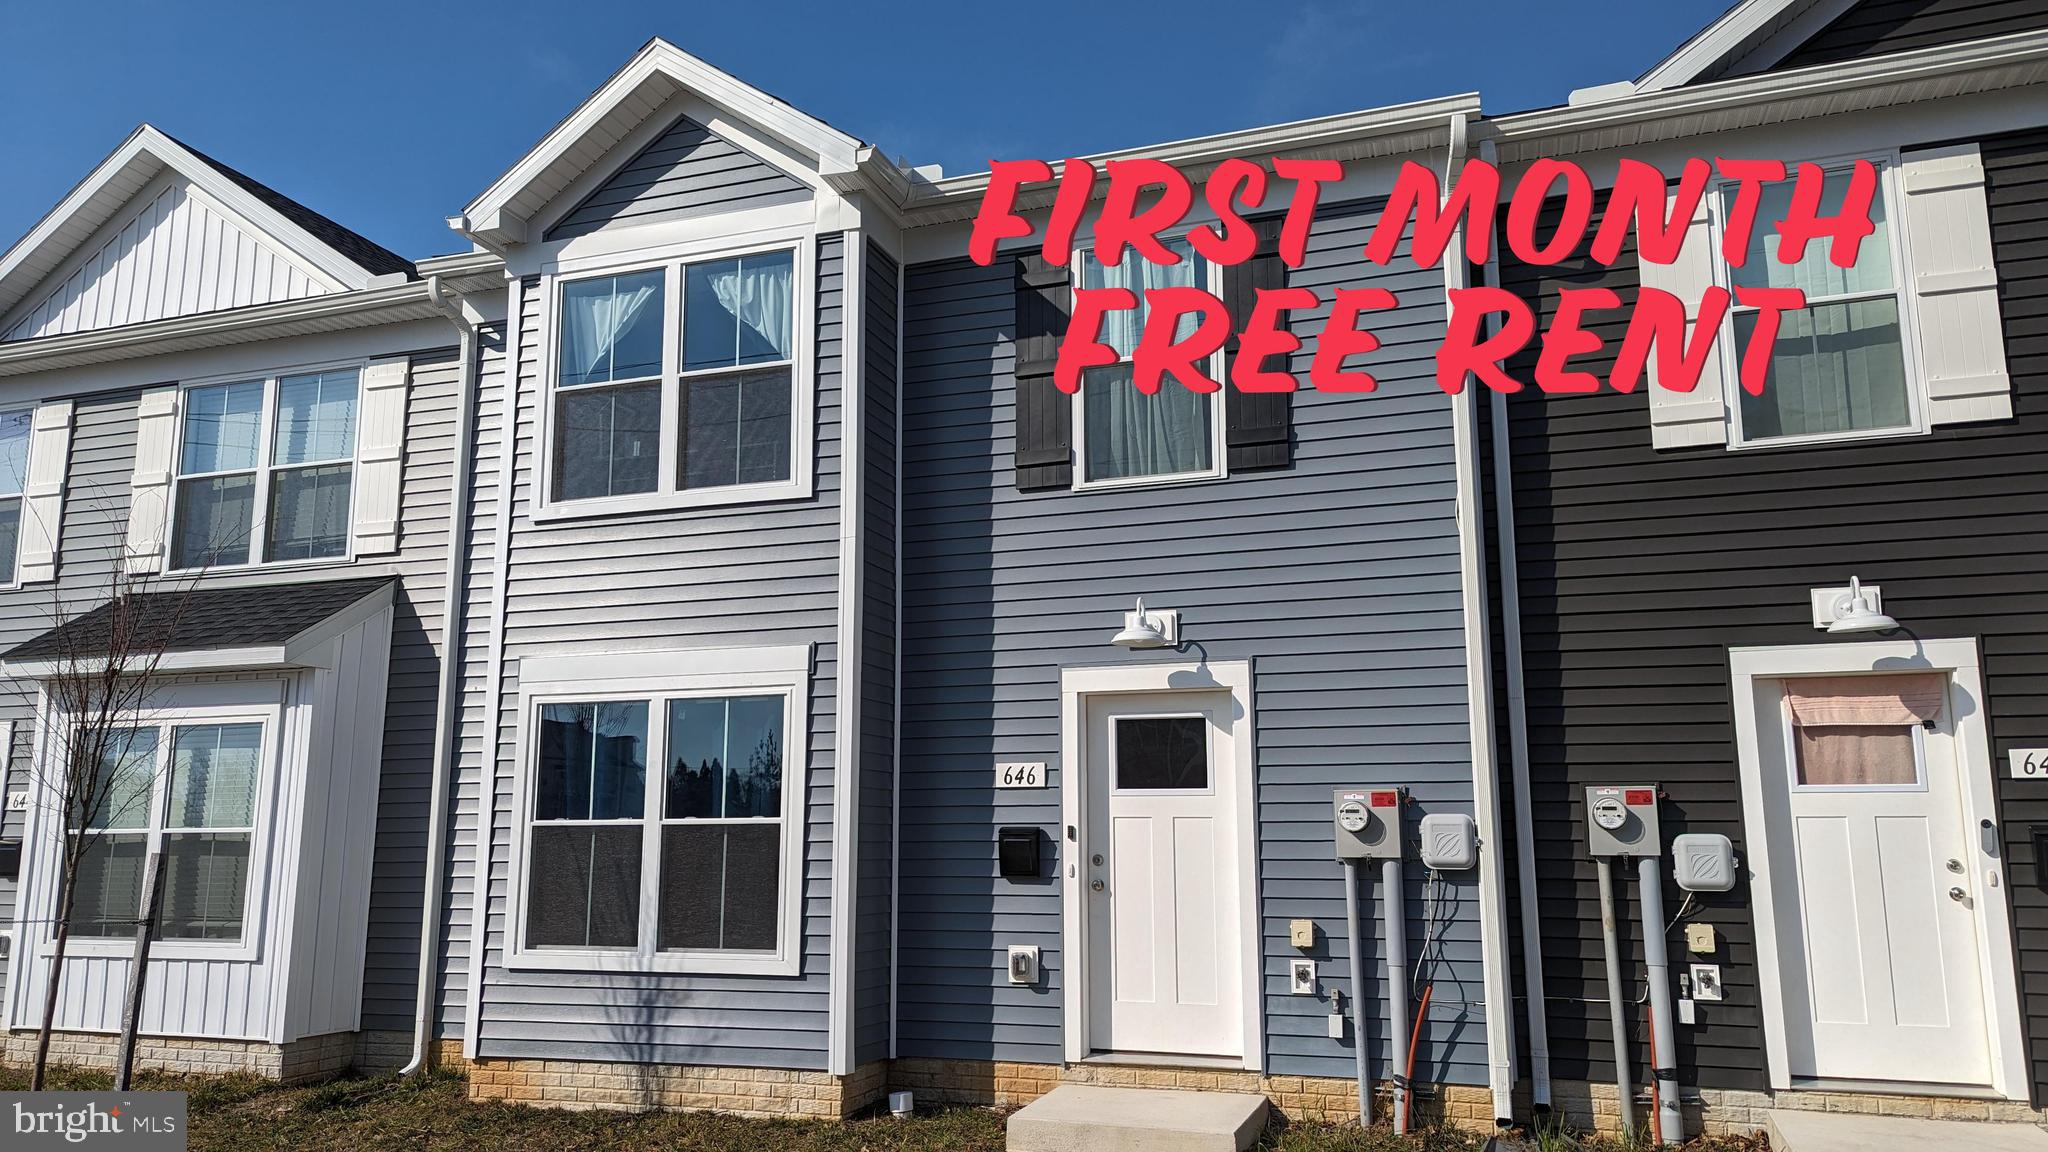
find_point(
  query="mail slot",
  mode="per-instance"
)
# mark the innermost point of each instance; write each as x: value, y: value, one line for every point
x: 1017, y: 853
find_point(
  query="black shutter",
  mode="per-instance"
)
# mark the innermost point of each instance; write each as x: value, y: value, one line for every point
x: 1257, y: 426
x: 1045, y: 415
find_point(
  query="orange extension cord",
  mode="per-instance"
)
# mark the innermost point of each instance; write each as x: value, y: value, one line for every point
x: 1414, y: 1036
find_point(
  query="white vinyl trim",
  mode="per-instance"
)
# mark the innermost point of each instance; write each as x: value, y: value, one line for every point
x: 1960, y: 658
x: 849, y: 649
x: 1077, y: 685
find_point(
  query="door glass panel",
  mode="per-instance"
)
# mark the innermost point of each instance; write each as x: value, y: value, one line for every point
x: 1158, y: 752
x: 1855, y: 755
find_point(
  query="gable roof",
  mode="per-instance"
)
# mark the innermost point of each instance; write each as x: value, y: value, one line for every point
x: 336, y: 256
x: 583, y: 138
x: 1715, y: 50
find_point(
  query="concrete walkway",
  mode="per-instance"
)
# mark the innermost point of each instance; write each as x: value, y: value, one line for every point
x: 1088, y: 1118
x: 1847, y: 1132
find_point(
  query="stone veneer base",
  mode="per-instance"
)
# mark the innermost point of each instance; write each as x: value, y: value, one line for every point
x: 299, y: 1062
x: 765, y: 1092
x: 1737, y: 1112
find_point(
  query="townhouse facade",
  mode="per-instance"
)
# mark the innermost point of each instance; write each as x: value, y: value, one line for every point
x: 686, y: 652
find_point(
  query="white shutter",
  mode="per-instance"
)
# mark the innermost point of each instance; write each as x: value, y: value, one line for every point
x: 149, y: 488
x: 380, y: 455
x: 1955, y: 285
x: 42, y: 500
x: 1698, y: 417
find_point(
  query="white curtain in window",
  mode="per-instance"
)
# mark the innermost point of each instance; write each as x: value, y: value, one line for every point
x: 1121, y: 329
x: 1851, y: 731
x: 758, y: 292
x: 1132, y: 434
x: 593, y: 322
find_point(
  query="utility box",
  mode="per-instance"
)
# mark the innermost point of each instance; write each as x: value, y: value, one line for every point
x: 1368, y: 823
x: 1703, y: 862
x: 1621, y: 820
x: 1449, y: 841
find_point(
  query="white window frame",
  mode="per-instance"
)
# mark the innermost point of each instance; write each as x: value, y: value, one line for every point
x: 802, y: 243
x: 1208, y: 757
x: 269, y: 772
x: 1889, y: 194
x: 265, y: 468
x: 20, y: 498
x: 656, y: 678
x: 1219, y: 464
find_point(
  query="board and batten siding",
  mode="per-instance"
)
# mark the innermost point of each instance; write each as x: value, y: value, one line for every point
x: 94, y: 534
x: 1338, y: 577
x: 873, y: 905
x: 687, y: 171
x: 172, y: 254
x: 1639, y: 569
x: 717, y: 577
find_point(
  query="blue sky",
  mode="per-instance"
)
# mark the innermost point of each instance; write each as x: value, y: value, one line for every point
x: 391, y: 116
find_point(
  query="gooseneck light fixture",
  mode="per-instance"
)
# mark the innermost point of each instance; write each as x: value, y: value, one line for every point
x: 1854, y: 611
x: 1156, y: 629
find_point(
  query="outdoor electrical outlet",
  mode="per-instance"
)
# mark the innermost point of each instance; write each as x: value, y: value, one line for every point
x: 1301, y: 933
x: 1699, y: 939
x: 1336, y: 1025
x: 1302, y: 978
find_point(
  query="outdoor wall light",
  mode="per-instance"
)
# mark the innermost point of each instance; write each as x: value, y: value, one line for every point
x: 1156, y: 629
x: 1857, y: 611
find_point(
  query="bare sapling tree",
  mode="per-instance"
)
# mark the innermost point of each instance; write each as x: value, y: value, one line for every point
x: 96, y: 776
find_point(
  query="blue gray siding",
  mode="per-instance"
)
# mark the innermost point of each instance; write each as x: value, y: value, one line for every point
x: 756, y: 575
x: 873, y: 903
x: 1339, y: 577
x: 687, y: 171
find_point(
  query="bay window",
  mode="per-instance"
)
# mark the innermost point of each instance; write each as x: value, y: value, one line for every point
x: 1127, y: 437
x: 266, y: 468
x: 1840, y: 366
x: 681, y: 383
x: 187, y: 791
x: 693, y: 865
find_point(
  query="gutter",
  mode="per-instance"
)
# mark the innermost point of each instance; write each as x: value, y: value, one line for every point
x: 1494, y: 967
x: 449, y: 698
x: 1518, y: 726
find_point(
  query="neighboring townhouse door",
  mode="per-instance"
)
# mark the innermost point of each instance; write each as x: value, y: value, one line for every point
x: 1875, y: 893
x: 1162, y: 876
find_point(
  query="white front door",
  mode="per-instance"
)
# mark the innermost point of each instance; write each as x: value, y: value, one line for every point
x: 1162, y: 875
x: 1876, y: 897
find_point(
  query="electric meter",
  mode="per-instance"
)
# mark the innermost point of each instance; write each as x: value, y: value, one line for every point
x: 1368, y: 823
x: 1622, y: 820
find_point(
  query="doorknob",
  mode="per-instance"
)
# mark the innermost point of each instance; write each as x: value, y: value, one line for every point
x: 1957, y: 894
x: 1097, y: 885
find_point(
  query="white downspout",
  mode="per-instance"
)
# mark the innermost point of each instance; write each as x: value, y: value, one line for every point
x: 1494, y: 967
x: 449, y: 692
x: 840, y: 1014
x: 1518, y: 726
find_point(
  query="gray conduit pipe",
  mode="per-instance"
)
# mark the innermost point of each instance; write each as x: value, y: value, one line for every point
x: 1394, y: 904
x: 1358, y: 1035
x: 1624, y: 1084
x: 1664, y: 1046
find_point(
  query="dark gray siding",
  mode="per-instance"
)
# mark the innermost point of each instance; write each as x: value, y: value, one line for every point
x: 878, y: 661
x: 1639, y: 569
x: 687, y: 171
x: 754, y: 575
x: 1338, y: 577
x: 1876, y: 27
x: 94, y: 533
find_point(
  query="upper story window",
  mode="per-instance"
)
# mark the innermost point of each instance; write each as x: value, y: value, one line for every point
x: 187, y: 791
x: 15, y: 431
x: 265, y: 470
x: 1842, y: 366
x: 1127, y: 437
x: 679, y: 384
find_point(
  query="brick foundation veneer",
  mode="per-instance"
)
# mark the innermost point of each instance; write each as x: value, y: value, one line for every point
x: 1731, y: 1112
x: 739, y: 1091
x: 299, y: 1062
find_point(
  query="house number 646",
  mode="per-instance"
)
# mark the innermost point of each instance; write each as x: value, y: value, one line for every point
x: 1024, y: 775
x: 2028, y: 763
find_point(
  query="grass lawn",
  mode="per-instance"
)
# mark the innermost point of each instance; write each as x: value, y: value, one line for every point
x: 243, y: 1114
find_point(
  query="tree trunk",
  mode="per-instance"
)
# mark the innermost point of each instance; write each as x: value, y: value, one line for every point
x: 35, y: 1080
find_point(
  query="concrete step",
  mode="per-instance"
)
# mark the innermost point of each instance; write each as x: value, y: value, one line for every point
x: 1087, y: 1118
x: 1853, y: 1132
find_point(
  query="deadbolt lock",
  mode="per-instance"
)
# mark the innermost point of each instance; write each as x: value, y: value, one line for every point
x: 1955, y: 866
x: 1095, y: 884
x: 1096, y: 859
